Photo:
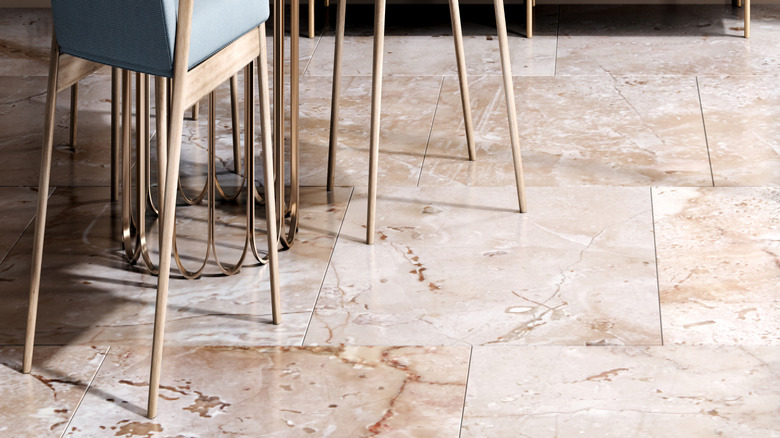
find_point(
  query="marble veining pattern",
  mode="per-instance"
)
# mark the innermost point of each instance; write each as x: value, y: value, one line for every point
x: 462, y: 266
x: 719, y: 264
x: 281, y: 392
x: 623, y: 391
x: 41, y: 404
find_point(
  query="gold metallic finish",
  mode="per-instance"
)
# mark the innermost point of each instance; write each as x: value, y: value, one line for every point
x: 234, y: 119
x: 506, y: 68
x: 115, y: 131
x: 336, y: 93
x: 376, y: 110
x: 74, y: 113
x: 43, y: 195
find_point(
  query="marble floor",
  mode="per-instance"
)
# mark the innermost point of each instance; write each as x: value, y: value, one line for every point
x: 639, y: 296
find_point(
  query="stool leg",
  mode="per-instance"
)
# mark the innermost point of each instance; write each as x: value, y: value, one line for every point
x: 43, y: 197
x: 311, y: 18
x: 746, y: 13
x: 511, y: 110
x: 234, y: 119
x: 460, y: 56
x: 529, y: 18
x: 376, y: 109
x: 334, y: 101
x: 74, y: 112
x: 115, y: 131
x: 196, y: 111
x: 268, y: 180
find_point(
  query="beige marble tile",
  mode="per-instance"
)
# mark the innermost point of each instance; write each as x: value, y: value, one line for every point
x: 622, y: 391
x: 41, y: 404
x: 741, y: 114
x: 462, y: 266
x: 90, y: 294
x: 662, y: 40
x: 281, y: 392
x: 418, y: 41
x: 22, y: 103
x: 25, y: 41
x: 718, y: 264
x: 574, y: 131
x: 407, y: 113
x: 17, y: 210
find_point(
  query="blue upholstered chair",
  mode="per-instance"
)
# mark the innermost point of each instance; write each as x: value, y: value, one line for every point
x: 199, y: 44
x: 376, y: 100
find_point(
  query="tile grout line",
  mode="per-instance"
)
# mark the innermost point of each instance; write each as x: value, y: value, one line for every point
x: 657, y: 276
x: 327, y: 266
x: 704, y: 126
x: 465, y: 391
x: 86, y: 390
x: 430, y: 131
x: 26, y: 227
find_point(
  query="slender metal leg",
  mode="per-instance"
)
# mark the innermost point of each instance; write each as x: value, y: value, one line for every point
x: 74, y: 113
x: 195, y: 111
x: 376, y: 109
x: 746, y: 13
x: 511, y: 109
x: 529, y: 18
x: 43, y: 196
x: 268, y: 180
x: 168, y: 208
x: 295, y: 86
x: 115, y: 132
x: 311, y: 18
x: 234, y: 118
x: 460, y: 56
x: 161, y: 108
x: 334, y: 101
x: 278, y: 115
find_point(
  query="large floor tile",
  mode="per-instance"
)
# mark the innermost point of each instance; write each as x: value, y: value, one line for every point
x: 41, y: 404
x: 663, y: 40
x: 22, y: 104
x: 275, y: 392
x: 622, y: 391
x: 17, y: 211
x: 408, y: 107
x: 574, y: 131
x: 718, y: 270
x: 25, y: 41
x: 741, y: 113
x: 419, y: 42
x: 462, y: 266
x: 90, y: 294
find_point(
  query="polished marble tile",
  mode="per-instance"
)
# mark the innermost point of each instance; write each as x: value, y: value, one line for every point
x: 741, y: 113
x: 574, y: 131
x: 281, y: 392
x: 462, y: 266
x: 41, y: 404
x: 419, y: 42
x: 22, y: 104
x: 25, y: 41
x: 407, y: 113
x: 664, y: 40
x: 622, y: 391
x: 719, y: 264
x: 109, y: 302
x: 17, y: 210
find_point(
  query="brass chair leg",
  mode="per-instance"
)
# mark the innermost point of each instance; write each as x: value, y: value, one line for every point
x: 506, y: 69
x: 115, y: 131
x: 529, y: 20
x: 195, y: 111
x: 268, y: 180
x: 334, y: 101
x: 746, y: 13
x: 311, y: 18
x: 460, y: 56
x: 376, y: 109
x: 43, y: 196
x: 234, y: 118
x: 74, y: 113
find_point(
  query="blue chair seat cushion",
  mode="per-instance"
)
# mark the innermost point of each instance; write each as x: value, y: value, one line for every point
x: 139, y: 35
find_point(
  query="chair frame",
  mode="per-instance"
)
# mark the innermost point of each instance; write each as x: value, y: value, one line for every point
x: 188, y: 86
